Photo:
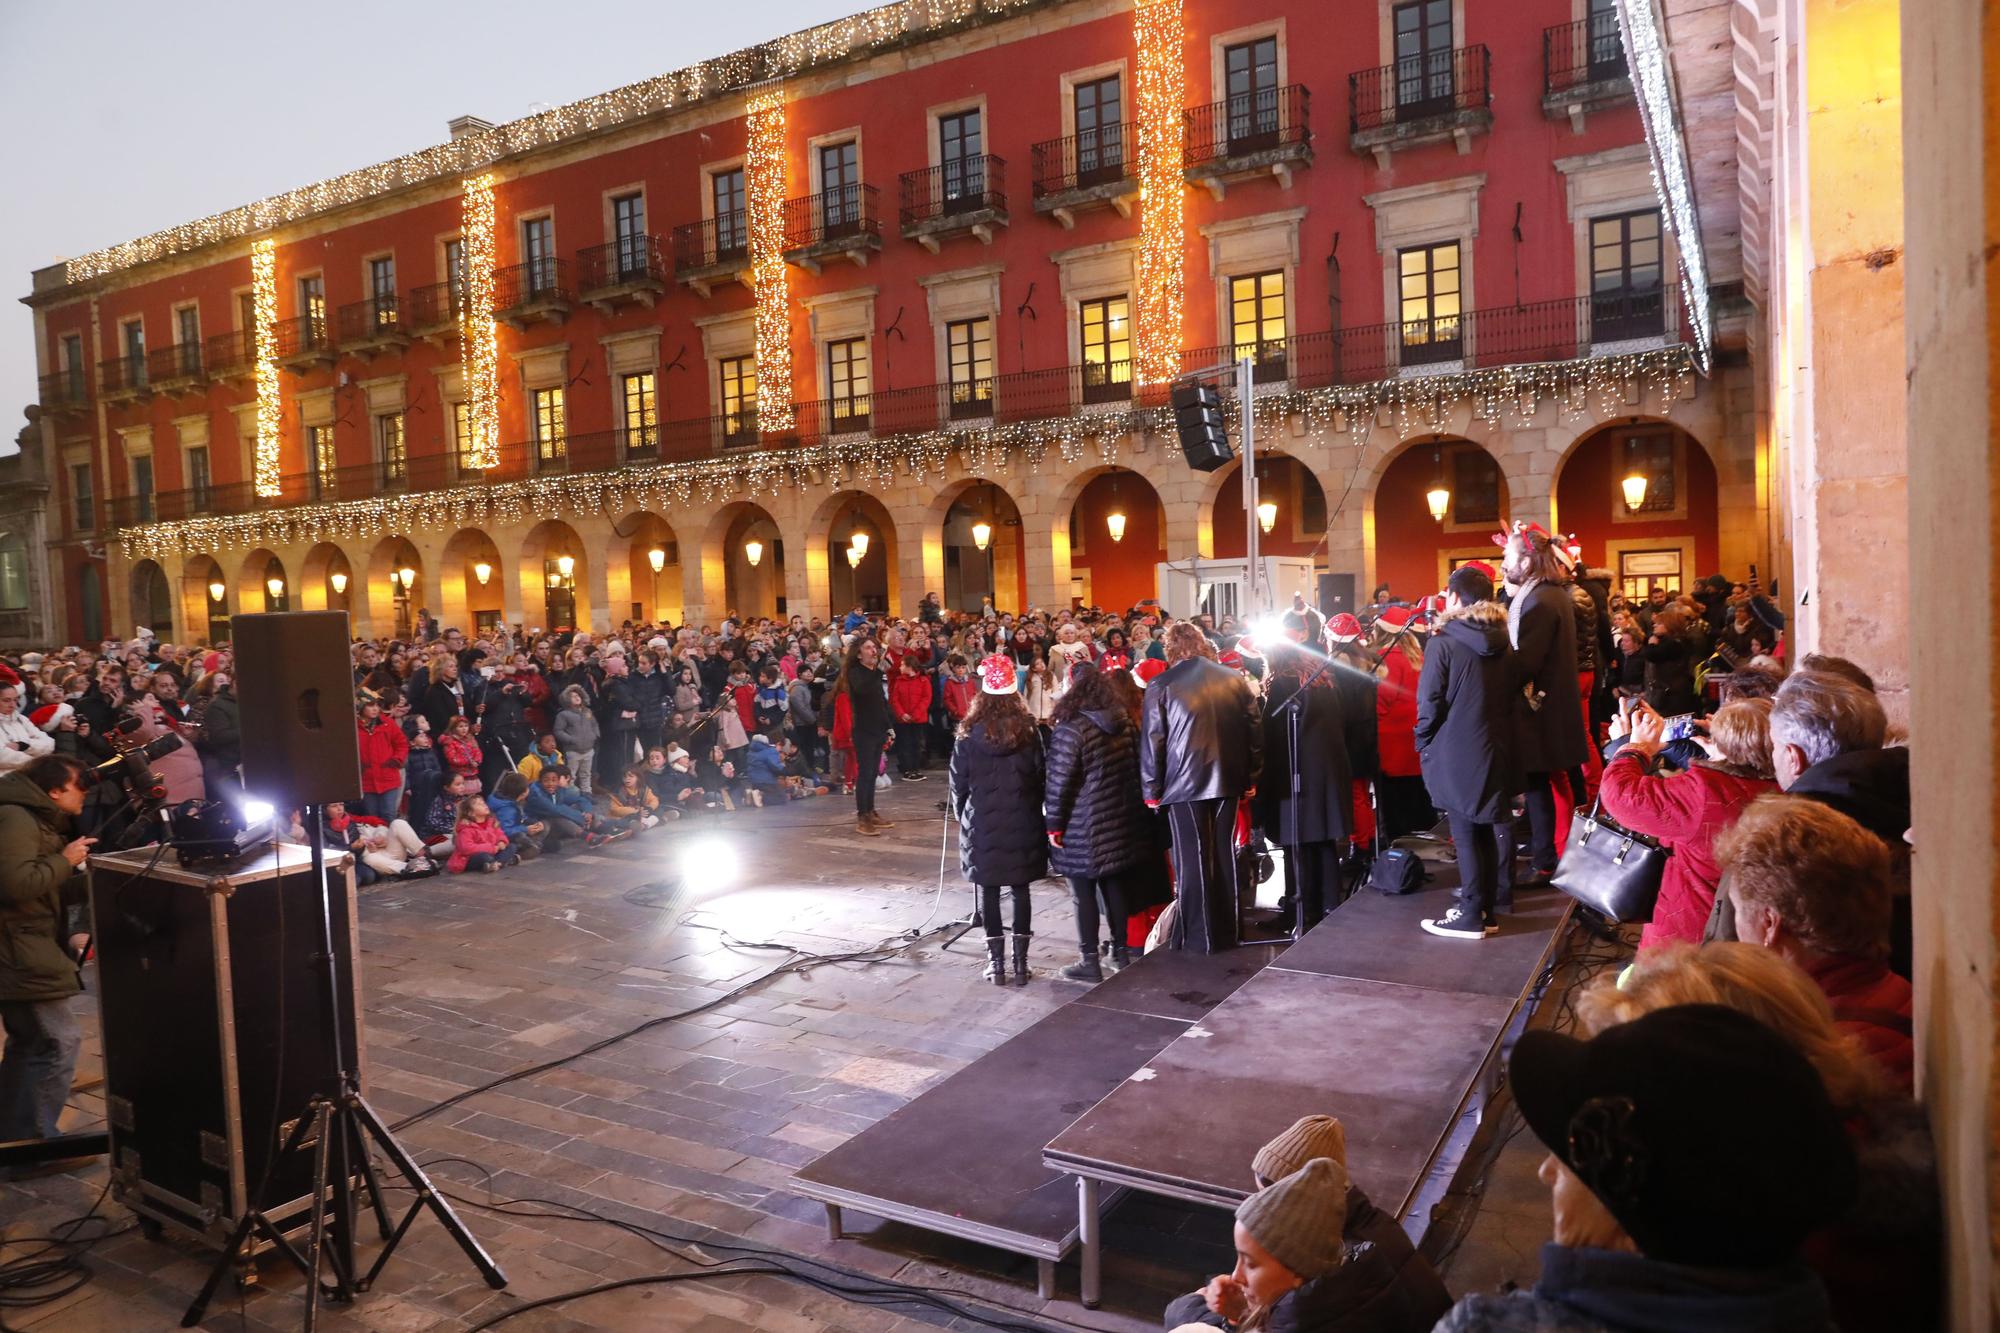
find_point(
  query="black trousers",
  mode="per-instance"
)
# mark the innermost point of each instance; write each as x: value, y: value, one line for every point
x: 1204, y: 833
x: 909, y: 747
x: 1539, y: 799
x: 1483, y: 850
x: 1312, y: 882
x: 868, y: 762
x: 989, y: 909
x: 1088, y: 892
x: 1406, y: 807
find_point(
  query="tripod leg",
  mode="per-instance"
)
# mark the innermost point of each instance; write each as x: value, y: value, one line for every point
x: 198, y: 1310
x: 252, y: 1217
x: 374, y: 1185
x: 316, y: 1246
x: 427, y: 1196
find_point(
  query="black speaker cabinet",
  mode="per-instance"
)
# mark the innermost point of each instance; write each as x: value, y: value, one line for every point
x: 295, y: 689
x: 214, y: 1022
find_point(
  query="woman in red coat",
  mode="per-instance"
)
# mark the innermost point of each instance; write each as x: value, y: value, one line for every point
x: 1688, y: 811
x: 1405, y: 805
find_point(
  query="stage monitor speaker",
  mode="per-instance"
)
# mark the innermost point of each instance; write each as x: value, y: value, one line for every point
x: 295, y: 690
x: 1199, y: 421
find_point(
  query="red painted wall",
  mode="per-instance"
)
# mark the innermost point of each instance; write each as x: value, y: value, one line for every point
x: 1123, y: 572
x: 1408, y: 541
x: 1588, y: 501
x: 1281, y: 483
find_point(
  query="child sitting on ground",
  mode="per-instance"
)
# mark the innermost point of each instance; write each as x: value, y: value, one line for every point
x: 480, y: 844
x: 392, y: 850
x: 509, y: 806
x: 633, y: 800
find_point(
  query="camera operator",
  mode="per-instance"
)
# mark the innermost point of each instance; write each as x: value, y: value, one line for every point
x: 41, y: 906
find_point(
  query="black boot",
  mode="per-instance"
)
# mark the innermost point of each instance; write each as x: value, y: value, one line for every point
x: 996, y: 960
x: 1085, y: 968
x: 1021, y: 938
x: 1121, y: 957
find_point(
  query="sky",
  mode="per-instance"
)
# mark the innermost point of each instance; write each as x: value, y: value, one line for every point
x: 130, y: 117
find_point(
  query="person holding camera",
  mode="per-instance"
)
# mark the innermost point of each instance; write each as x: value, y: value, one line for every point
x: 41, y: 915
x: 21, y: 741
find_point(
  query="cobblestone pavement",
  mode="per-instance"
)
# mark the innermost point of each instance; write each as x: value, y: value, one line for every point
x: 691, y: 1127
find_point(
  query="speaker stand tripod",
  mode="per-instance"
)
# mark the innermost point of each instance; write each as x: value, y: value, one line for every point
x: 339, y: 1125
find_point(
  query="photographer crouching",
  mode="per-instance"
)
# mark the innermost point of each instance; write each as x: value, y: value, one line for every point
x: 42, y: 911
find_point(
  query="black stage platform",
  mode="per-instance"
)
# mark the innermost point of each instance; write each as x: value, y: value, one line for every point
x: 1168, y: 1077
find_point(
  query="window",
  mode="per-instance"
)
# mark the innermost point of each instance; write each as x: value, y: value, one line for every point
x: 142, y: 488
x: 246, y: 324
x: 133, y: 335
x: 962, y: 159
x: 1257, y: 321
x: 1105, y: 329
x: 312, y: 302
x: 187, y: 340
x: 1607, y: 51
x: 82, y: 497
x: 847, y: 383
x: 546, y: 424
x: 321, y: 483
x: 1424, y: 83
x: 1100, y: 131
x: 1651, y: 456
x: 461, y: 439
x: 639, y: 413
x: 382, y: 292
x: 1429, y: 297
x: 1475, y: 487
x: 454, y: 273
x: 1250, y: 83
x: 628, y: 234
x: 199, y: 490
x: 1626, y: 298
x: 739, y: 398
x: 13, y: 573
x: 538, y: 255
x: 72, y: 365
x: 969, y: 366
x: 391, y: 449
x: 732, y: 224
x: 1639, y: 572
x: 840, y: 186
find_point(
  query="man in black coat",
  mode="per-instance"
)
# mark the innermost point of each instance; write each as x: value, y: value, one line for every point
x: 1468, y: 742
x: 1541, y: 626
x: 1201, y: 749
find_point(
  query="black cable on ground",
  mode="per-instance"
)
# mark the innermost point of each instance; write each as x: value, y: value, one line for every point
x: 56, y: 1267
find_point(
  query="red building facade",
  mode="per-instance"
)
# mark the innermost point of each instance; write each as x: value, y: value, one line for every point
x: 1400, y: 210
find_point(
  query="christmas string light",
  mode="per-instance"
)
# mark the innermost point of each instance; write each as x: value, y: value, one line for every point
x: 1673, y: 184
x: 270, y: 397
x: 479, y: 336
x: 892, y: 25
x: 1617, y: 385
x: 764, y: 200
x: 1160, y: 84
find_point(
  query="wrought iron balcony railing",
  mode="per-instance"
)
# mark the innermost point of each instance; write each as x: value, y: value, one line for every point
x: 438, y: 306
x: 1085, y: 160
x: 975, y: 184
x: 63, y: 390
x: 1249, y: 124
x: 123, y: 374
x: 536, y: 282
x: 1584, y: 52
x: 302, y: 337
x: 847, y: 215
x: 713, y: 242
x: 1416, y: 88
x: 377, y: 319
x: 626, y: 261
x: 230, y: 354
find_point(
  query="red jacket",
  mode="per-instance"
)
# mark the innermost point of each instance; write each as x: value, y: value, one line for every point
x: 472, y: 839
x: 461, y: 756
x: 1875, y: 1007
x: 746, y: 704
x: 384, y: 752
x: 841, y: 736
x: 958, y: 697
x: 1686, y: 812
x: 910, y: 698
x: 1396, y: 716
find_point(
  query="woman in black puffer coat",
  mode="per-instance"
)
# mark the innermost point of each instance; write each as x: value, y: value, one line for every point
x: 1099, y: 828
x: 996, y: 795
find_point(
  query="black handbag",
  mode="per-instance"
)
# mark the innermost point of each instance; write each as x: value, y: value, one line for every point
x: 1611, y: 870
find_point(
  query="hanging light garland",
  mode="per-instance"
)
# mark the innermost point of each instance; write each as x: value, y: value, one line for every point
x: 478, y: 332
x: 270, y: 396
x: 1160, y: 86
x: 764, y: 200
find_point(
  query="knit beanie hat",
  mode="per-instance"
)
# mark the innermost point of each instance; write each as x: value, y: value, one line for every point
x: 1299, y: 1219
x: 1309, y: 1137
x: 996, y: 675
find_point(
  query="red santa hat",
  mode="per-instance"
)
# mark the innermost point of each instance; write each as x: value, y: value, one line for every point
x: 1393, y: 619
x: 1232, y: 659
x: 1343, y: 628
x: 996, y: 675
x: 50, y: 716
x: 1148, y: 669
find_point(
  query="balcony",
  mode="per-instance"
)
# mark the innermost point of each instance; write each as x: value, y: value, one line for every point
x: 628, y: 269
x: 1266, y: 133
x: 230, y: 356
x: 64, y: 391
x: 1583, y: 69
x: 121, y: 379
x: 837, y: 224
x: 176, y: 370
x: 373, y: 326
x: 1094, y: 169
x: 538, y: 290
x: 435, y: 311
x: 965, y: 197
x: 1421, y: 100
x: 713, y: 250
x: 304, y: 343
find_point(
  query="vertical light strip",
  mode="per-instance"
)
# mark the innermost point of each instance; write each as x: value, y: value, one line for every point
x: 1673, y: 180
x: 764, y: 198
x: 1161, y: 90
x: 270, y: 404
x: 478, y: 338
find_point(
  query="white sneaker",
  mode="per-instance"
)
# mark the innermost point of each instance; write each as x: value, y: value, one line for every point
x: 1457, y: 925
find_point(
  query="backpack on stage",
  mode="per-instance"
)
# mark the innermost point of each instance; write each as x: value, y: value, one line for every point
x: 1397, y: 871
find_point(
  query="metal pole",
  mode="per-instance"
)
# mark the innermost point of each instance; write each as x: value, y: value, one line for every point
x: 1245, y: 371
